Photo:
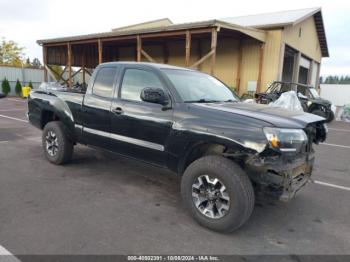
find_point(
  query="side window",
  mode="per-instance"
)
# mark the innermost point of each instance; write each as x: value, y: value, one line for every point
x: 103, y: 85
x: 135, y: 80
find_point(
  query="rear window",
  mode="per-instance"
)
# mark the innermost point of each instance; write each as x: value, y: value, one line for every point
x: 104, y: 81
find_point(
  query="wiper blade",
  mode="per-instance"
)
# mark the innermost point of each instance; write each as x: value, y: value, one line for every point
x: 201, y: 101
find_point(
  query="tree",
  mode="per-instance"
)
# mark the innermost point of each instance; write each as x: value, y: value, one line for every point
x: 30, y: 84
x: 28, y: 63
x: 5, y: 86
x: 18, y: 88
x: 36, y: 63
x: 11, y: 53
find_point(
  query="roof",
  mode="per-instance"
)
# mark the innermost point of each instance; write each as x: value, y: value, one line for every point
x: 285, y: 18
x: 253, y: 32
x: 251, y: 25
x: 149, y: 24
x: 276, y: 19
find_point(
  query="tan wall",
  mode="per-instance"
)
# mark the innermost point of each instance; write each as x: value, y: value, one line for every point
x: 308, y: 43
x: 272, y: 62
x: 226, y: 60
x: 250, y: 63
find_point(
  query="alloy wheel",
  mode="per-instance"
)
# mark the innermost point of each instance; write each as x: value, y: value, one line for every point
x: 51, y: 143
x: 210, y: 197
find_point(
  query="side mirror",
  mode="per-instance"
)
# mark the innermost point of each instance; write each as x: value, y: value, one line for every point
x: 154, y: 95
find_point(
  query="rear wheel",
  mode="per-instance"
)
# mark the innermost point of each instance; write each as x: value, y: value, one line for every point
x: 218, y: 193
x: 58, y: 149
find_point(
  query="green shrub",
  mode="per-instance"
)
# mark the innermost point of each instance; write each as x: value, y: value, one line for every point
x: 30, y: 84
x: 18, y: 88
x: 5, y: 86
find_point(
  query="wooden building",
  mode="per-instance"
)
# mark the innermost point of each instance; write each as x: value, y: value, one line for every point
x: 247, y: 53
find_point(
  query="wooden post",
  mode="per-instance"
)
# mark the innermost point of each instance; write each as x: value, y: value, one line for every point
x: 83, y: 64
x: 100, y: 54
x: 166, y: 52
x: 214, y: 36
x: 188, y: 48
x: 239, y: 64
x: 45, y: 63
x: 69, y: 64
x: 200, y: 51
x: 261, y: 61
x: 138, y: 48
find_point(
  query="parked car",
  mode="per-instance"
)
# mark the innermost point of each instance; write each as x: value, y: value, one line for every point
x: 190, y: 123
x: 308, y: 97
x: 2, y: 95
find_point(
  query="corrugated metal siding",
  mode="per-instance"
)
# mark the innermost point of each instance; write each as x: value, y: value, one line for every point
x: 24, y: 75
x: 272, y: 55
x: 250, y: 63
x: 307, y: 43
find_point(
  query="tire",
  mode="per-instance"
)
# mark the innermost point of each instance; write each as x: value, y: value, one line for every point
x: 61, y: 149
x: 319, y: 113
x: 238, y: 187
x: 330, y: 117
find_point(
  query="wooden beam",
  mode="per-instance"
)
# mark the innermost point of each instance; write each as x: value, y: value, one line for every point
x: 100, y: 51
x: 69, y: 64
x: 129, y: 37
x: 239, y: 64
x: 261, y: 62
x: 83, y: 64
x: 77, y: 72
x: 166, y: 52
x: 214, y: 37
x: 149, y: 58
x: 45, y: 63
x: 200, y: 61
x: 49, y: 71
x: 177, y: 33
x: 188, y: 48
x: 61, y: 75
x: 138, y: 48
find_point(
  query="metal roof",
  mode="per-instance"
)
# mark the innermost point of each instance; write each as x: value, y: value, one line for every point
x: 253, y: 32
x: 275, y: 19
x: 252, y: 25
x: 285, y: 18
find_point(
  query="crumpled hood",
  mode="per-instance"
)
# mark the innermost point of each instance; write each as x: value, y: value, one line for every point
x: 278, y: 117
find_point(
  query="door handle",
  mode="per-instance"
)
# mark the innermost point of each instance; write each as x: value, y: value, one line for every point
x: 117, y: 111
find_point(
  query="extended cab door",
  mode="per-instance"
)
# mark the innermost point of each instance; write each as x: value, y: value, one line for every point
x: 97, y: 107
x: 140, y: 129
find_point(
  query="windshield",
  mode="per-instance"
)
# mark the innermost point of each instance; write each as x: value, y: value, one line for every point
x: 314, y: 93
x: 198, y: 87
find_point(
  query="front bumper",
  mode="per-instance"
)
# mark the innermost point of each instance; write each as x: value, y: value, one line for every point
x: 281, y: 176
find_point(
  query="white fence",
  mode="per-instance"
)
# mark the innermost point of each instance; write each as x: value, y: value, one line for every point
x: 339, y: 95
x: 24, y: 75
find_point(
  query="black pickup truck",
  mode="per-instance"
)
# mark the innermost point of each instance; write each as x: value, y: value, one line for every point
x: 190, y: 123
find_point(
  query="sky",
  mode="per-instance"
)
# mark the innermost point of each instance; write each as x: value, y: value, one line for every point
x: 26, y: 21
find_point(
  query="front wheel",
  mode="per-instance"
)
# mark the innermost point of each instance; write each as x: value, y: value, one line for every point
x: 218, y: 193
x: 58, y: 149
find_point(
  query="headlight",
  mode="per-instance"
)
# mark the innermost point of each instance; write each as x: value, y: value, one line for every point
x: 286, y: 140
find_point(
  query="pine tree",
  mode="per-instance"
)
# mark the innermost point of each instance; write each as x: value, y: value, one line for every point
x: 18, y: 88
x: 5, y: 86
